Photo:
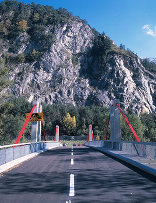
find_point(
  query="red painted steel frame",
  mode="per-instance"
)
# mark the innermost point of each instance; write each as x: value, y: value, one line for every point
x: 25, y: 125
x: 133, y: 131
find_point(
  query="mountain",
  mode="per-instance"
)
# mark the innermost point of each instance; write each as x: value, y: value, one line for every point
x: 59, y: 58
x: 152, y: 60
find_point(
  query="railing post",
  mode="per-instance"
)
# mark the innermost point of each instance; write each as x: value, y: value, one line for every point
x: 115, y: 122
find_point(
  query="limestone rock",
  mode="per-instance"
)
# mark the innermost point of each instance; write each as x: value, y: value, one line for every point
x: 57, y: 77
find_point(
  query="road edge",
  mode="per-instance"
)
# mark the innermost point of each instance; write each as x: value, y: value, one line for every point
x: 14, y: 163
x: 144, y: 170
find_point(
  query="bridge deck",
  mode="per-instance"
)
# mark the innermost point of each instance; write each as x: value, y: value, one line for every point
x: 97, y: 178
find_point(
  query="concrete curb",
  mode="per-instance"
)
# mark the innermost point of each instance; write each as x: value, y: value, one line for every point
x: 14, y: 163
x: 9, y: 165
x: 146, y: 169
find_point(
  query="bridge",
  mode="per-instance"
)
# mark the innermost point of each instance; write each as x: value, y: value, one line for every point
x: 99, y: 171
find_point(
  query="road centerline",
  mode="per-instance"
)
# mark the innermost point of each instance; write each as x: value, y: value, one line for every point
x: 72, y: 161
x: 71, y: 190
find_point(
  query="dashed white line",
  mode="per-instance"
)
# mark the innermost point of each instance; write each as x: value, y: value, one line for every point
x: 72, y: 161
x: 72, y: 153
x: 71, y: 190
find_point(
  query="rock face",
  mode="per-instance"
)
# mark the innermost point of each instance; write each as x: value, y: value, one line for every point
x: 62, y: 73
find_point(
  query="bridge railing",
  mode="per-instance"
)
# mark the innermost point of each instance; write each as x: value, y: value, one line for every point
x: 11, y: 152
x: 142, y: 149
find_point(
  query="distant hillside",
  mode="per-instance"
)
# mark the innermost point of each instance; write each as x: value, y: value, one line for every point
x: 59, y: 58
x: 150, y: 64
x: 152, y: 60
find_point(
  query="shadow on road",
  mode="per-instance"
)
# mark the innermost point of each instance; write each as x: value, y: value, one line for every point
x: 34, y: 183
x: 65, y: 150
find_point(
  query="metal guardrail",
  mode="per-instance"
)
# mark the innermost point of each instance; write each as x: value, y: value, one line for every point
x: 11, y: 152
x: 14, y: 145
x: 142, y: 149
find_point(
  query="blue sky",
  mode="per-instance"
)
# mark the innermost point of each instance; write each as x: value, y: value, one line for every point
x: 130, y: 22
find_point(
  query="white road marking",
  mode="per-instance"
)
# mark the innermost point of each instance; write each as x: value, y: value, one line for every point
x: 72, y: 162
x: 71, y: 190
x: 72, y: 153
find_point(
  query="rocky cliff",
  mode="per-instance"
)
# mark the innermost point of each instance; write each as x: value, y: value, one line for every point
x: 71, y: 70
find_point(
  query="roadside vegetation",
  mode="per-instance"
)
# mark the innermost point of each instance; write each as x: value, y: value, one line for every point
x: 73, y: 121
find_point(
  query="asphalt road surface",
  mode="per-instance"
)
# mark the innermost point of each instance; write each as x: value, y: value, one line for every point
x: 81, y: 175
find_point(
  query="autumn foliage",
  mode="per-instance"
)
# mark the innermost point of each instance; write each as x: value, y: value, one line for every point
x: 69, y: 124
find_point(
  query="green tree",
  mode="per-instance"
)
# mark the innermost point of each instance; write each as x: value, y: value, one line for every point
x: 36, y: 17
x: 102, y: 45
x: 149, y: 121
x: 21, y: 58
x: 122, y: 46
x: 35, y: 54
x: 137, y: 126
x: 12, y: 119
x: 4, y: 79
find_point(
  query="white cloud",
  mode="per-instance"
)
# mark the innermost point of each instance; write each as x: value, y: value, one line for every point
x: 149, y: 30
